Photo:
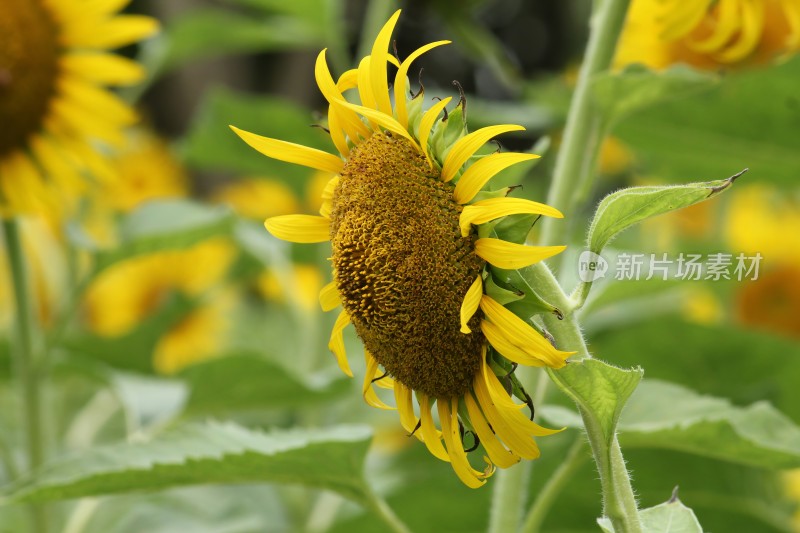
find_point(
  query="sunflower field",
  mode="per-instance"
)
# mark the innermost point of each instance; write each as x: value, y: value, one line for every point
x: 337, y: 266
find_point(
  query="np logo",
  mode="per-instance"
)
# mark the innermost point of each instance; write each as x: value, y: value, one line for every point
x: 591, y: 266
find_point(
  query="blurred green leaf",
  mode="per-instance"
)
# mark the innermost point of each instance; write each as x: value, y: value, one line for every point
x: 166, y: 225
x: 622, y: 209
x: 212, y: 32
x: 311, y: 10
x: 211, y: 145
x: 246, y: 381
x: 212, y: 453
x: 618, y: 94
x: 669, y: 517
x: 727, y: 361
x: 599, y: 389
x: 668, y: 416
x: 750, y: 120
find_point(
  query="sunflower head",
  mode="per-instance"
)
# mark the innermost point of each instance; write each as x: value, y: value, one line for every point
x: 709, y: 33
x: 54, y: 105
x: 411, y: 230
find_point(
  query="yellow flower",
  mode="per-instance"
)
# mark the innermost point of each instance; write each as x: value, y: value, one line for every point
x: 791, y: 483
x: 54, y: 104
x: 403, y: 214
x: 197, y: 336
x: 258, y: 197
x: 130, y: 291
x: 303, y: 286
x: 147, y: 169
x: 709, y: 33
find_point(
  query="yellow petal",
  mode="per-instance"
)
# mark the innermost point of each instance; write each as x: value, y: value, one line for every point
x: 508, y: 349
x: 400, y: 107
x: 348, y: 120
x: 471, y: 302
x: 431, y: 436
x: 55, y: 165
x: 484, y: 169
x: 103, y: 68
x: 111, y: 33
x: 749, y: 34
x: 511, y: 256
x: 92, y: 98
x: 426, y: 125
x: 726, y: 26
x: 405, y: 407
x: 336, y: 344
x: 683, y: 17
x: 69, y: 118
x: 385, y: 121
x: 466, y: 146
x: 299, y: 228
x: 518, y: 332
x: 448, y: 414
x: 497, y: 452
x: 336, y: 130
x: 329, y: 298
x: 492, y: 208
x: 365, y: 93
x: 517, y: 441
x: 377, y: 66
x: 291, y: 152
x: 369, y: 393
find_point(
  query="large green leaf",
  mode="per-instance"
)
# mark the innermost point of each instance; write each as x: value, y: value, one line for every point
x: 749, y: 120
x: 212, y: 453
x: 668, y: 416
x: 618, y: 94
x: 211, y: 144
x: 599, y: 389
x: 212, y: 32
x: 668, y: 517
x: 624, y: 208
x: 166, y: 225
x: 665, y: 415
x: 251, y: 382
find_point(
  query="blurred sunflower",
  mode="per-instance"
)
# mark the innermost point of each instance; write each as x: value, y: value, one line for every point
x: 765, y: 220
x: 709, y: 33
x: 129, y: 292
x: 54, y: 69
x: 408, y: 225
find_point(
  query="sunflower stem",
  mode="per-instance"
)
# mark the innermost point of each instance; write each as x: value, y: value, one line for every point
x: 508, y: 498
x: 582, y: 133
x: 382, y: 510
x: 25, y: 363
x: 553, y: 486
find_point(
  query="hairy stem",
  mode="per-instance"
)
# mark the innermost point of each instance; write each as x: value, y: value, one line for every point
x: 582, y: 135
x: 26, y: 366
x: 382, y: 510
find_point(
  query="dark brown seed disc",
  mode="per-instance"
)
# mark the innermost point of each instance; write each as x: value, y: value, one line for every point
x: 29, y: 55
x: 403, y: 268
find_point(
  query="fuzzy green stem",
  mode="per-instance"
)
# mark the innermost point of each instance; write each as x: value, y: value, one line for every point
x: 382, y: 510
x: 25, y: 363
x: 508, y: 498
x: 582, y: 133
x: 553, y: 487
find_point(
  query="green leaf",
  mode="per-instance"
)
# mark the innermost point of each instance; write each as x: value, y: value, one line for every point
x: 599, y: 389
x: 251, y: 382
x: 665, y: 415
x: 211, y: 32
x: 166, y: 225
x: 622, y: 209
x: 668, y: 517
x: 618, y: 94
x: 195, y: 454
x: 211, y: 145
x: 749, y: 120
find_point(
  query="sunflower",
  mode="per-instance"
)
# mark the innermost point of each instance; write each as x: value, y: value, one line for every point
x: 54, y: 69
x: 411, y: 235
x: 709, y: 33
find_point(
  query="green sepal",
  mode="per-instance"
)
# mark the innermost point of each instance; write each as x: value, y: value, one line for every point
x: 515, y: 228
x: 499, y: 193
x: 531, y: 304
x: 450, y: 131
x: 414, y: 110
x: 499, y: 294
